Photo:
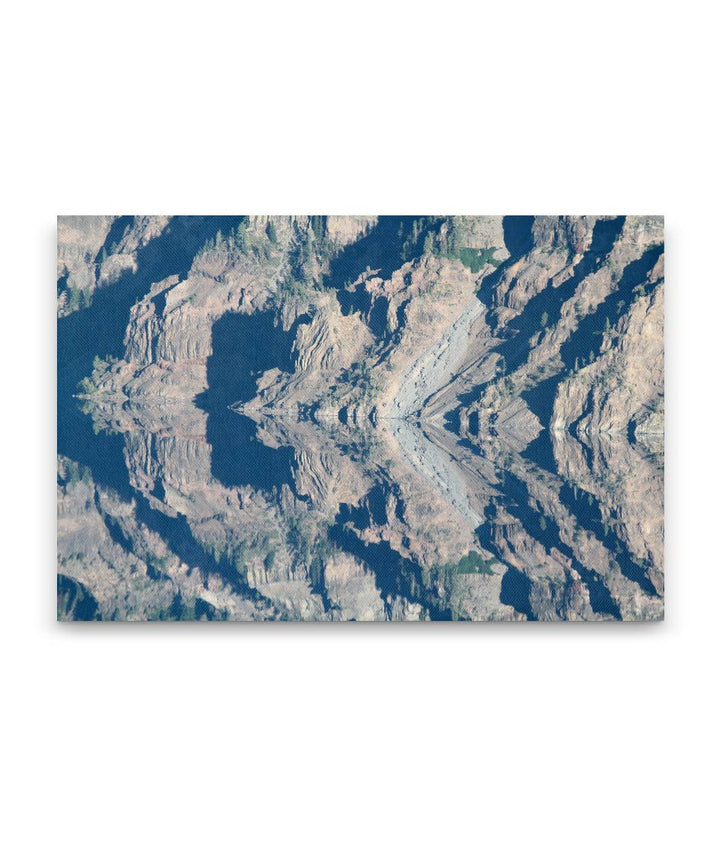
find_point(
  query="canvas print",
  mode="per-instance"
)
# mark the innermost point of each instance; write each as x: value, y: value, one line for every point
x: 360, y: 418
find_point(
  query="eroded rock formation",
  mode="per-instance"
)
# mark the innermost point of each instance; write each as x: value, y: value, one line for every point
x: 362, y: 418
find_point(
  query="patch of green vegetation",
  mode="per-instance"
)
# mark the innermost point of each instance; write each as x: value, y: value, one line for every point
x: 476, y: 259
x: 291, y: 287
x: 90, y: 385
x: 239, y: 241
x: 411, y: 234
x: 362, y: 378
x: 318, y: 223
x: 77, y: 298
x: 73, y: 474
x: 87, y: 386
x: 444, y: 243
x: 473, y: 563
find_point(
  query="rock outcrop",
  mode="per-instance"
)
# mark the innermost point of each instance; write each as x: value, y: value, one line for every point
x: 373, y: 418
x: 96, y: 251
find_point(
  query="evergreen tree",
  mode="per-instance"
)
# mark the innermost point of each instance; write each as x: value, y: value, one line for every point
x: 73, y: 300
x: 317, y: 224
x: 243, y: 239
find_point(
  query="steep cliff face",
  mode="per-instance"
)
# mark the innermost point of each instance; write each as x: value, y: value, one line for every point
x: 622, y: 388
x: 563, y: 312
x: 254, y: 268
x: 433, y: 418
x: 95, y: 251
x: 79, y: 243
x: 114, y: 564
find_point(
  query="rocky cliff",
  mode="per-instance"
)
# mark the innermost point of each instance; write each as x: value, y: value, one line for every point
x: 366, y: 418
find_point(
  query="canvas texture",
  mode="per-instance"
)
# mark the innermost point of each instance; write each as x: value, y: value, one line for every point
x: 360, y: 418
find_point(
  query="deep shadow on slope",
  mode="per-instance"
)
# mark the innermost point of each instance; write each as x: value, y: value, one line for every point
x: 585, y: 341
x: 238, y: 458
x: 386, y: 247
x: 545, y: 530
x: 518, y: 240
x: 517, y: 235
x: 515, y: 592
x: 243, y: 347
x: 102, y: 452
x: 175, y: 530
x: 114, y: 236
x: 100, y: 328
x: 395, y: 575
x: 74, y: 601
x: 516, y: 347
x: 548, y: 302
x: 587, y: 511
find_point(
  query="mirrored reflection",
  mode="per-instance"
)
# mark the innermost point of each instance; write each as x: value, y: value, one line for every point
x: 186, y: 514
x: 360, y: 418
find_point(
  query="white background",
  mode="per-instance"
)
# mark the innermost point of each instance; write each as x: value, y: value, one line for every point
x: 349, y: 739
